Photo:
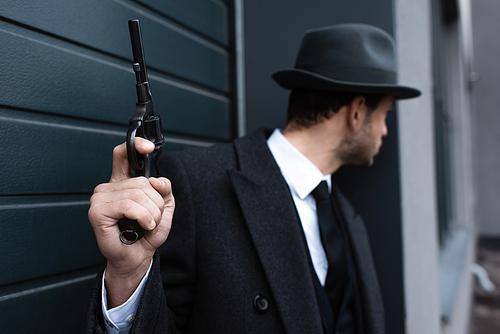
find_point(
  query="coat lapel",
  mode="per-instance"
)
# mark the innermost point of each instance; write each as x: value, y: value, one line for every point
x: 275, y: 229
x: 365, y: 270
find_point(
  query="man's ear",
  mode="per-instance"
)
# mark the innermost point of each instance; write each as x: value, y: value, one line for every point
x: 356, y: 113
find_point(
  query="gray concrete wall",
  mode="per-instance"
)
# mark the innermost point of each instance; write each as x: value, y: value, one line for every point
x: 486, y: 26
x: 436, y: 286
x: 418, y: 192
x: 459, y: 68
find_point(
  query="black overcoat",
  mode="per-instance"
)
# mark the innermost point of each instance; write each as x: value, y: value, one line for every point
x: 236, y: 240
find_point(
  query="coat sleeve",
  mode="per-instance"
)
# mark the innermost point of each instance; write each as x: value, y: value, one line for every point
x: 166, y: 303
x: 152, y: 313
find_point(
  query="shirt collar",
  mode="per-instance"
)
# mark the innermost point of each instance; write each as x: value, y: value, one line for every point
x: 299, y: 172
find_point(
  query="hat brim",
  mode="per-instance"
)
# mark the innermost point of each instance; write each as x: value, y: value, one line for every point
x: 300, y: 79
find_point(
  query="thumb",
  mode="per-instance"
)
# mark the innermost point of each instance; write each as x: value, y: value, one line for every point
x: 121, y: 167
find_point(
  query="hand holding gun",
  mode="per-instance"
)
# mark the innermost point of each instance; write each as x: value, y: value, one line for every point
x: 146, y: 200
x: 144, y: 124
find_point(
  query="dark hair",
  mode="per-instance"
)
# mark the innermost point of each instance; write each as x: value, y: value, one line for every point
x: 308, y: 107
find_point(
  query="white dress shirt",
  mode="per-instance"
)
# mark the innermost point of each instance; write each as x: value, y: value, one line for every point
x: 119, y: 320
x: 302, y: 176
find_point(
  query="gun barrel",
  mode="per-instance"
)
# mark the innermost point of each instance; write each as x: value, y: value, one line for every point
x: 137, y: 49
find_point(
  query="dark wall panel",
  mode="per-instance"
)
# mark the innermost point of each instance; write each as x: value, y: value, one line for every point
x: 61, y: 154
x: 50, y: 234
x: 208, y: 17
x: 66, y: 95
x: 52, y: 305
x: 168, y: 47
x: 53, y: 76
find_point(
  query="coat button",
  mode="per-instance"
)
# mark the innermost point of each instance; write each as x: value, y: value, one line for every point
x: 260, y: 303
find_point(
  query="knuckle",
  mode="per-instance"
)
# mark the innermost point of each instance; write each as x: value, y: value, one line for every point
x: 127, y: 205
x: 142, y: 181
x: 91, y: 214
x: 141, y: 214
x: 100, y: 188
x: 117, y: 151
x: 93, y: 198
x: 94, y: 214
x: 135, y: 194
x: 168, y: 184
x: 132, y: 209
x: 96, y: 199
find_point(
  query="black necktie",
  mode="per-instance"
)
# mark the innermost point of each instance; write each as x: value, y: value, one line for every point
x: 331, y: 237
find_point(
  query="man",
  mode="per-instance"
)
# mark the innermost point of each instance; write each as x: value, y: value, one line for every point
x: 261, y: 239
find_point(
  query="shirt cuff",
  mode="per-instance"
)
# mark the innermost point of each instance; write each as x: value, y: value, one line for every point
x: 119, y: 320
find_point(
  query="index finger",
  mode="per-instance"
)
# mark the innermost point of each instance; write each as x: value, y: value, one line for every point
x: 121, y: 167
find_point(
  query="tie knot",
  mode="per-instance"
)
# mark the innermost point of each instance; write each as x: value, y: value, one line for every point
x: 320, y: 193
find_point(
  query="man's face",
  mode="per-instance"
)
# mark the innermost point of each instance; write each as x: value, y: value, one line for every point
x: 359, y: 148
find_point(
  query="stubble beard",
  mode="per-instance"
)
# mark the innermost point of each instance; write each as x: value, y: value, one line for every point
x: 359, y: 149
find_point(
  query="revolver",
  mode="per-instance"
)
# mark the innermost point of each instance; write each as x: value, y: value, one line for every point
x: 144, y: 124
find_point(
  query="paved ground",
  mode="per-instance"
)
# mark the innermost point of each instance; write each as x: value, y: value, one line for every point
x: 486, y: 310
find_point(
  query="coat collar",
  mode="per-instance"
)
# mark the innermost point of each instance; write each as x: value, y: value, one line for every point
x: 275, y: 229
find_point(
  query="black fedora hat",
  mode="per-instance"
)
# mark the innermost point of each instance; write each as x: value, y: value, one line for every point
x: 355, y: 58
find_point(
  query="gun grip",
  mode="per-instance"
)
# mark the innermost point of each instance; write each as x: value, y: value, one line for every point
x: 131, y: 231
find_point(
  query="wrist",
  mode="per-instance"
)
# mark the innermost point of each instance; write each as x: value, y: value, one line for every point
x: 124, y: 270
x: 121, y: 284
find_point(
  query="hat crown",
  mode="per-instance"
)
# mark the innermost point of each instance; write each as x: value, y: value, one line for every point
x: 349, y: 52
x: 356, y: 58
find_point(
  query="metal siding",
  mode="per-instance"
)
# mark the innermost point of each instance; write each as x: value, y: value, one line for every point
x: 46, y: 305
x: 58, y: 77
x: 67, y: 92
x: 208, y: 17
x: 102, y: 25
x: 54, y: 236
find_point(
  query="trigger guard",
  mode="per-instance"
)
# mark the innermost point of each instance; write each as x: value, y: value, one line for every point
x: 131, y: 151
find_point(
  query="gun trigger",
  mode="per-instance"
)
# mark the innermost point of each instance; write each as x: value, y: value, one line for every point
x: 132, y: 154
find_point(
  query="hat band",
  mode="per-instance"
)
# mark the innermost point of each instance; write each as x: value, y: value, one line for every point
x: 357, y: 75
